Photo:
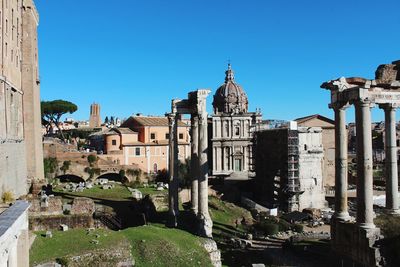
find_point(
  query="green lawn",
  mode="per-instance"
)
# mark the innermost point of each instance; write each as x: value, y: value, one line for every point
x: 224, y: 214
x: 152, y: 191
x: 152, y: 245
x: 72, y: 242
x: 156, y: 245
x: 119, y: 192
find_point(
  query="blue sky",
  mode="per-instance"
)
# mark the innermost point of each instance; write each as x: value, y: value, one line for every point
x: 135, y: 56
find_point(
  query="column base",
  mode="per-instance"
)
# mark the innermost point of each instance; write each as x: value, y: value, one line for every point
x: 205, y: 226
x: 394, y: 212
x: 172, y: 221
x: 341, y: 216
x: 366, y: 225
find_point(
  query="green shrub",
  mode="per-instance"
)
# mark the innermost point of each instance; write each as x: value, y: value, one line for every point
x: 269, y: 228
x: 8, y: 197
x: 91, y: 159
x: 50, y: 166
x: 297, y: 228
x: 284, y: 225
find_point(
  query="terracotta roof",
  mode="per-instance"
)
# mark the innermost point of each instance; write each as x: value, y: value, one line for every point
x: 123, y: 130
x: 315, y: 116
x: 149, y: 121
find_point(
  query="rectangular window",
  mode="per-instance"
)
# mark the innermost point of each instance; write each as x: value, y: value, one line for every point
x: 181, y: 136
x: 152, y: 136
x: 137, y: 151
x: 167, y: 136
x: 114, y: 142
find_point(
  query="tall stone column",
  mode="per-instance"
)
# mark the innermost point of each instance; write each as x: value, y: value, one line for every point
x: 194, y: 163
x: 341, y: 209
x: 205, y: 227
x: 365, y: 212
x: 173, y: 171
x: 392, y: 180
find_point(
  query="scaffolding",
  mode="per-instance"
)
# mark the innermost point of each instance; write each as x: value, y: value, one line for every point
x: 293, y: 183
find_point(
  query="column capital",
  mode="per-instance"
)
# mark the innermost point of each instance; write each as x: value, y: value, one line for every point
x: 339, y: 105
x: 364, y: 102
x: 389, y: 106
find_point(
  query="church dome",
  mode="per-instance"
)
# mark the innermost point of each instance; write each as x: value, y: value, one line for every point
x: 230, y: 97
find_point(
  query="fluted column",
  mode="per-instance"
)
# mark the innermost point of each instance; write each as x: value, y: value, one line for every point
x: 173, y: 207
x: 365, y: 212
x: 341, y: 209
x: 392, y: 180
x: 194, y: 163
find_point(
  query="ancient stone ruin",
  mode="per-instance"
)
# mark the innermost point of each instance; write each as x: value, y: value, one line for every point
x: 357, y: 241
x: 195, y: 105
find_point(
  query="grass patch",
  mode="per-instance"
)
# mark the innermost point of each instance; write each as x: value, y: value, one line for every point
x: 72, y: 242
x: 119, y: 192
x: 156, y: 245
x: 153, y: 245
x: 224, y: 216
x: 152, y: 191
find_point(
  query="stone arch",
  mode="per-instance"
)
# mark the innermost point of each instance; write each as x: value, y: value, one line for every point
x: 66, y: 178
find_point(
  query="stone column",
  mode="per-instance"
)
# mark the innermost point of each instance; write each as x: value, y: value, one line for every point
x: 194, y: 163
x: 392, y: 180
x: 341, y: 210
x: 173, y: 179
x: 365, y: 212
x: 205, y: 222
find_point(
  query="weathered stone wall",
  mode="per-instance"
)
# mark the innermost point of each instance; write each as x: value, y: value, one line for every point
x: 54, y: 207
x: 40, y: 223
x: 351, y: 241
x: 82, y: 205
x: 13, y: 170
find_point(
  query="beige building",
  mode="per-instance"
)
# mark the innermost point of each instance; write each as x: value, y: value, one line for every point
x: 328, y: 143
x: 232, y: 138
x: 21, y: 153
x: 142, y: 141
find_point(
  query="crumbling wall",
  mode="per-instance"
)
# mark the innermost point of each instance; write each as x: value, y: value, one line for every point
x: 53, y: 222
x: 39, y: 208
x: 82, y: 205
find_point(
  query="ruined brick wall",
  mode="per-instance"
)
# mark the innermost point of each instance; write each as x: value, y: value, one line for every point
x: 82, y: 205
x: 41, y: 223
x: 54, y: 207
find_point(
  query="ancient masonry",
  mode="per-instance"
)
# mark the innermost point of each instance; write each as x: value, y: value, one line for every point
x: 231, y: 136
x: 195, y: 105
x: 95, y: 119
x: 289, y: 167
x: 21, y: 153
x: 357, y: 240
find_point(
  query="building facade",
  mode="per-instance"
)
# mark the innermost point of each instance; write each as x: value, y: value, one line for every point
x: 21, y: 152
x: 142, y: 141
x: 231, y: 141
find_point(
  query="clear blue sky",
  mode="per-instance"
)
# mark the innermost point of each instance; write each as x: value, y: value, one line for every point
x: 135, y: 56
